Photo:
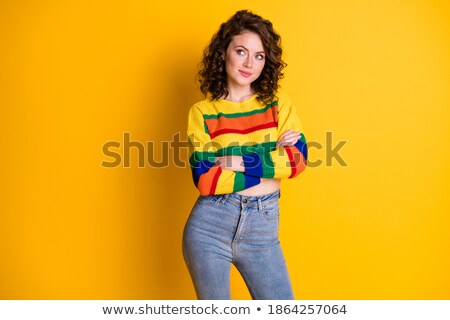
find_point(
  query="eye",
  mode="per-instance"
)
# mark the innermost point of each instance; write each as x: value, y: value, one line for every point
x: 261, y: 57
x: 239, y: 51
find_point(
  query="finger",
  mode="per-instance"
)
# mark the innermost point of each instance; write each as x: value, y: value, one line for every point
x: 286, y: 143
x: 291, y: 142
x: 290, y: 139
x: 290, y: 134
x: 287, y: 132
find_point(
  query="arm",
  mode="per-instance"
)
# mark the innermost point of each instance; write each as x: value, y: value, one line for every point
x: 210, y: 178
x: 285, y: 161
x: 235, y: 163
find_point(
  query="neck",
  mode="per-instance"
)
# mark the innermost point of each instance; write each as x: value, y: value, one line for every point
x: 238, y: 94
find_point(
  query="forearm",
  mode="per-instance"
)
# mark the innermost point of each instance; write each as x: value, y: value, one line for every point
x: 233, y: 163
x: 283, y: 162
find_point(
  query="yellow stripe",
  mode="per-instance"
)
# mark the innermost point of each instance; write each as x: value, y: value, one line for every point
x: 226, y: 182
x: 281, y: 163
x: 261, y: 136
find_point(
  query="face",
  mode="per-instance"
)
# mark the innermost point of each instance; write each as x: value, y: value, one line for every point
x: 244, y: 59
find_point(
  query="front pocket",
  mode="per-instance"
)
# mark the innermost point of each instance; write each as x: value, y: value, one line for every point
x: 216, y: 198
x: 209, y: 200
x: 272, y: 211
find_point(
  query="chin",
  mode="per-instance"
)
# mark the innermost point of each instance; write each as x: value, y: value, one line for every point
x: 244, y: 84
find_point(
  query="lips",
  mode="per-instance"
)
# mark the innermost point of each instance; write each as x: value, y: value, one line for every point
x: 245, y: 74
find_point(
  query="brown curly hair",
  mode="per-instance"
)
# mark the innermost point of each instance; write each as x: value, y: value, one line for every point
x: 212, y: 74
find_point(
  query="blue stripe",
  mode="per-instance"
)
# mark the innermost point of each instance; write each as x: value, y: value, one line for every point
x: 200, y: 168
x: 253, y: 165
x: 303, y: 148
x: 251, y: 181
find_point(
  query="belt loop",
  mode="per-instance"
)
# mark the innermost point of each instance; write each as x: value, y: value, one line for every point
x: 225, y: 197
x: 259, y: 204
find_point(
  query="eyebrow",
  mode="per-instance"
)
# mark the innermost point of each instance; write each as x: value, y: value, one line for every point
x: 247, y: 49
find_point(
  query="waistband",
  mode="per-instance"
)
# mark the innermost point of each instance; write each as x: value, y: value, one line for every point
x: 253, y: 199
x: 259, y: 202
x: 242, y: 201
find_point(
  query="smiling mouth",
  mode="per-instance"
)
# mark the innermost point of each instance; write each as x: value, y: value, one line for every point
x: 245, y: 74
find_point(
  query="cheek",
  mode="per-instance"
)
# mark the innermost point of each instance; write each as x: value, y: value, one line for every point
x: 260, y: 67
x: 232, y: 63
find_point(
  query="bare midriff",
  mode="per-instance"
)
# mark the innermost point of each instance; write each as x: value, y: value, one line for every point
x: 265, y: 187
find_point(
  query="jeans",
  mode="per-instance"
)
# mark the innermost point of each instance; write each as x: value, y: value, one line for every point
x: 243, y: 230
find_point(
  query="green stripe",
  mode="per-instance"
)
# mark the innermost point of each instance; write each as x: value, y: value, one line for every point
x: 268, y: 166
x: 240, y: 150
x: 239, y: 182
x: 200, y: 156
x: 262, y: 148
x: 240, y: 114
x: 206, y: 127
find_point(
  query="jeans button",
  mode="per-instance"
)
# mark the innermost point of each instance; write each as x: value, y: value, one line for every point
x: 244, y: 201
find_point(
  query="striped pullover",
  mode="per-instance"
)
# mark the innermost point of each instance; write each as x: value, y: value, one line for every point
x: 249, y: 129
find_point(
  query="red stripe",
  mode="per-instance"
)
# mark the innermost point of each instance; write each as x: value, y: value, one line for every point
x: 242, y: 122
x: 245, y: 131
x: 292, y: 162
x: 215, y: 180
x: 297, y: 160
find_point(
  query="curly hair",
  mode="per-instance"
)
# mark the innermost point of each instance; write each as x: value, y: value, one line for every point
x: 212, y: 74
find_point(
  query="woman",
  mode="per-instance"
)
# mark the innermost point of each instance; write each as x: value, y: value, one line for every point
x: 244, y: 137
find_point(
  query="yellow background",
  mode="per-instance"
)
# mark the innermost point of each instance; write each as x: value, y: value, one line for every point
x: 75, y: 75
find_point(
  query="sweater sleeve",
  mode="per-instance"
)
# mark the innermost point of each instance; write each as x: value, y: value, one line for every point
x: 209, y: 178
x: 285, y: 162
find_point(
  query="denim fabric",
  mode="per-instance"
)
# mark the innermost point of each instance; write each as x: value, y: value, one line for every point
x: 243, y: 230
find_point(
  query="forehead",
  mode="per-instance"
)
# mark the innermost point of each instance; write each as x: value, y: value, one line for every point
x: 249, y: 40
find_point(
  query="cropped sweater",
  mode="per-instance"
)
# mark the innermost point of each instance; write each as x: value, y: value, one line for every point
x: 249, y: 129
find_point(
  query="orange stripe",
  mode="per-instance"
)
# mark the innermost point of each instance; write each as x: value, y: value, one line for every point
x: 245, y: 131
x: 296, y: 160
x: 208, y: 180
x: 242, y: 123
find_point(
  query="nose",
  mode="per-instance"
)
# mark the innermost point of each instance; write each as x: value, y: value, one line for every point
x: 247, y: 62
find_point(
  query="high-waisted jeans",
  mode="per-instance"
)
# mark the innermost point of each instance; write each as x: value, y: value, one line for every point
x: 243, y: 230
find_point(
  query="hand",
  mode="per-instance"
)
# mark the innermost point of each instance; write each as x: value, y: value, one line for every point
x: 288, y: 138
